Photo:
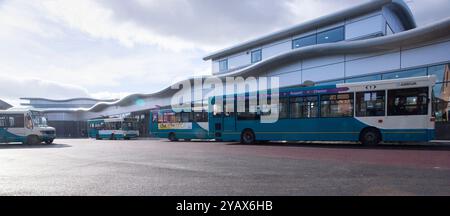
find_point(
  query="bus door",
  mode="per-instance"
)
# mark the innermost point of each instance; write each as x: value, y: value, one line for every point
x: 229, y: 114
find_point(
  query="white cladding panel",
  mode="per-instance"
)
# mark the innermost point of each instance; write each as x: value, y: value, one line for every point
x: 385, y: 62
x: 430, y: 54
x: 288, y: 79
x: 325, y: 60
x: 369, y: 26
x: 334, y: 71
x: 296, y: 66
x: 238, y: 61
x: 276, y: 49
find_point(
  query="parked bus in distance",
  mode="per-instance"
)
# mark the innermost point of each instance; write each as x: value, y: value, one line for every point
x: 369, y: 112
x: 26, y: 126
x: 113, y: 128
x: 165, y: 123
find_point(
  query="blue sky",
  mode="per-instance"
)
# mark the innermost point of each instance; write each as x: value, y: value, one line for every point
x: 111, y: 48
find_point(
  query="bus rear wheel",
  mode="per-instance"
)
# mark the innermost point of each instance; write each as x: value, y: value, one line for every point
x: 172, y: 137
x: 370, y: 137
x: 248, y: 137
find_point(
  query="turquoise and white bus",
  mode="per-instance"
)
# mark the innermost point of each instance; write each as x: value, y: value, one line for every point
x: 25, y: 126
x: 369, y: 112
x: 165, y: 123
x: 113, y: 128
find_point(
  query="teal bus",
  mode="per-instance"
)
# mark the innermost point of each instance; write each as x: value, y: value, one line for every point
x: 113, y: 128
x: 25, y: 126
x: 369, y: 112
x: 165, y: 123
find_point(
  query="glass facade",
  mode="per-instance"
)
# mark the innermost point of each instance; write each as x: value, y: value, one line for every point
x: 441, y: 92
x: 256, y: 56
x: 329, y: 36
x: 304, y: 41
x: 364, y: 78
x: 223, y: 65
x: 405, y: 74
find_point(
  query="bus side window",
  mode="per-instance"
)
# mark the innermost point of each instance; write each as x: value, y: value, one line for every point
x: 412, y: 101
x: 3, y: 121
x: 336, y: 105
x: 185, y: 117
x: 370, y: 103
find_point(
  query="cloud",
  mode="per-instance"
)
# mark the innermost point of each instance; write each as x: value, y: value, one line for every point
x: 13, y: 88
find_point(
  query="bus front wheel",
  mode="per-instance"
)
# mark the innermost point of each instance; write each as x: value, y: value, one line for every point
x: 247, y: 137
x: 370, y: 137
x: 48, y: 142
x: 32, y: 140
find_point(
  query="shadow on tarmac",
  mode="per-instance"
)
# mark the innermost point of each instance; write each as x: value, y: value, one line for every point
x: 25, y: 146
x: 341, y: 145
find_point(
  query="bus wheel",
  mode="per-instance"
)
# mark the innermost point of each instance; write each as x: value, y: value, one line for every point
x: 33, y: 140
x: 370, y: 137
x: 172, y: 137
x: 48, y: 142
x: 247, y: 137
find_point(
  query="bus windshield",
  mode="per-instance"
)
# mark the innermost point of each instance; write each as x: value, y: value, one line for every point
x: 39, y: 119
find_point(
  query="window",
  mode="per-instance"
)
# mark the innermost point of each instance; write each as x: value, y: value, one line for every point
x: 283, y: 108
x: 405, y: 74
x: 365, y: 78
x: 12, y: 121
x: 304, y: 107
x: 441, y: 92
x: 333, y: 35
x: 200, y: 116
x: 370, y: 103
x: 247, y: 115
x: 223, y: 65
x: 336, y: 105
x: 304, y: 41
x: 185, y: 117
x: 441, y: 71
x: 3, y: 121
x: 256, y: 56
x: 408, y: 101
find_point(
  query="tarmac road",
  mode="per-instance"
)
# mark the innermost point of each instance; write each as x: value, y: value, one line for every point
x: 160, y: 167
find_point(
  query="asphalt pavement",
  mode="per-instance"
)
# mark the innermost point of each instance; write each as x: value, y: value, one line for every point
x: 160, y: 167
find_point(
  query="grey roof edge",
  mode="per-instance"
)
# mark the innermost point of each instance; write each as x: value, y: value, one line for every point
x: 67, y: 100
x: 400, y: 7
x: 429, y: 32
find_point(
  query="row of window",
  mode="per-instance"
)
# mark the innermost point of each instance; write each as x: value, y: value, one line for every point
x: 172, y: 117
x: 372, y: 103
x: 12, y: 121
x: 114, y: 125
x: 328, y: 36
